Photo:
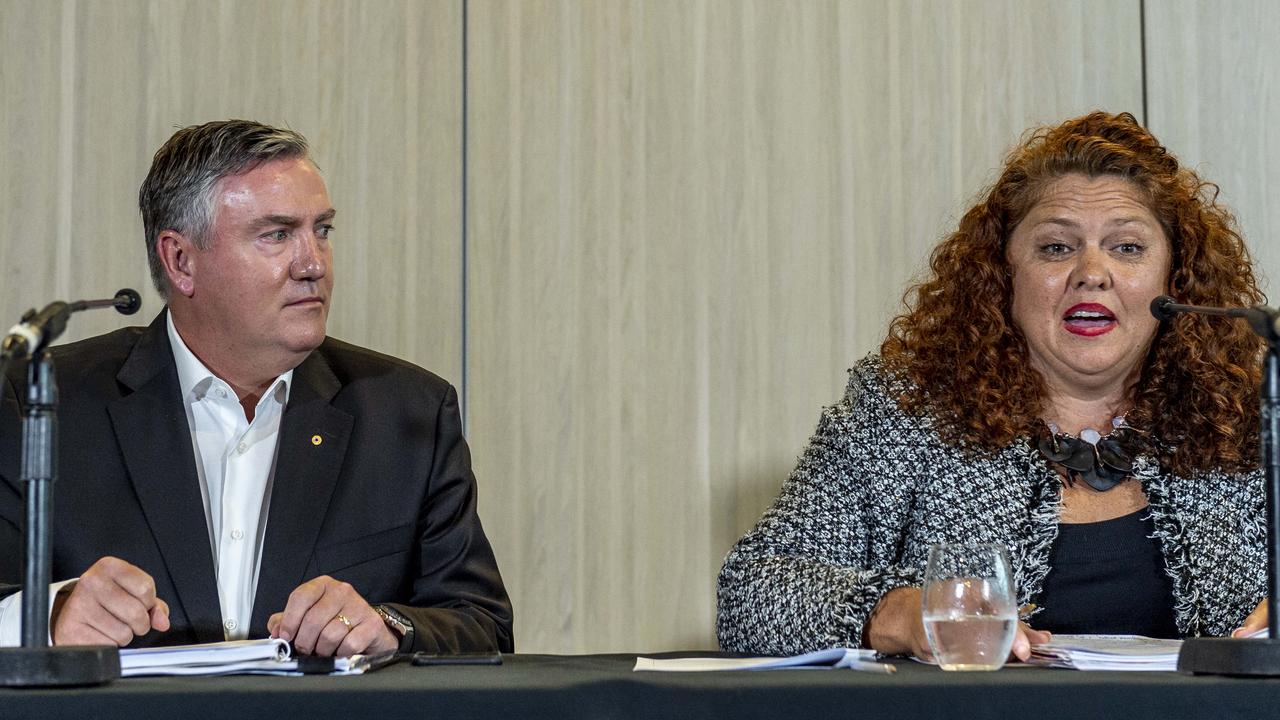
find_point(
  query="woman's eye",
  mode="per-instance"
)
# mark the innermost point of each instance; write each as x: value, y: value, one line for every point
x: 1129, y: 248
x: 1055, y: 248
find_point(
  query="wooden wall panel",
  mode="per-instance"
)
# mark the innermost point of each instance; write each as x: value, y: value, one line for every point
x: 93, y: 88
x: 34, y: 216
x: 686, y: 219
x: 1213, y: 97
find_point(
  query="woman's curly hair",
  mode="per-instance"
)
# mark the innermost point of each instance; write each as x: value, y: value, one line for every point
x: 968, y: 363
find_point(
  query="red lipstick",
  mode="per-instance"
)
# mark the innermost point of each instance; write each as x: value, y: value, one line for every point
x: 1089, y: 319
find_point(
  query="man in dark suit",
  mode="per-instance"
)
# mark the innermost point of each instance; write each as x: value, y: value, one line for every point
x: 230, y: 471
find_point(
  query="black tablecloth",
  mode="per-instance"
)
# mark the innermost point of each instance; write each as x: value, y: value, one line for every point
x: 603, y: 686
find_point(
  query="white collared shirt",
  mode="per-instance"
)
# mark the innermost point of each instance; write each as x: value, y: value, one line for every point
x: 235, y: 462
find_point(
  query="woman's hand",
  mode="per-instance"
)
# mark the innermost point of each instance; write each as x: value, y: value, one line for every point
x: 896, y: 627
x: 1257, y: 620
x: 1025, y: 638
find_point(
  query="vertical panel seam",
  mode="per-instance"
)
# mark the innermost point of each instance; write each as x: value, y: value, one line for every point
x: 463, y: 235
x: 66, y: 148
x: 1142, y: 44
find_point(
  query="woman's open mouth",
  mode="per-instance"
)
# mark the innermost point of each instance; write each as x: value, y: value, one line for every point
x: 1089, y: 319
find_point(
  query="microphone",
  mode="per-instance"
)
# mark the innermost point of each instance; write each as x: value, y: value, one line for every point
x: 126, y: 302
x: 38, y: 329
x: 1160, y: 308
x: 1264, y: 321
x: 35, y: 330
x: 1164, y: 308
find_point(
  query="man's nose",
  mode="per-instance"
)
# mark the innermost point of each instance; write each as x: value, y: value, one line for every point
x: 310, y: 258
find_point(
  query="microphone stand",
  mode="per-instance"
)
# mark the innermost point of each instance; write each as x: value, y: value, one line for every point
x: 35, y: 663
x: 1259, y: 657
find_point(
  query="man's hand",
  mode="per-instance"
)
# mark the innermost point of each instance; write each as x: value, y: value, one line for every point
x: 328, y: 617
x: 110, y: 604
x: 896, y: 627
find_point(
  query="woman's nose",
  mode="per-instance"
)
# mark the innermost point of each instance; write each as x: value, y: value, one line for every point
x: 1091, y: 271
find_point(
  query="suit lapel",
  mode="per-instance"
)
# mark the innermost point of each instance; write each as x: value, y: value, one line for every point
x: 313, y: 445
x: 151, y: 427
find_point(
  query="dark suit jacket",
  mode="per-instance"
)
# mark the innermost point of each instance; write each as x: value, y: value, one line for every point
x: 373, y: 485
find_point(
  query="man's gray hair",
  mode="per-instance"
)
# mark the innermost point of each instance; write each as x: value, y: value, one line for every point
x: 178, y: 193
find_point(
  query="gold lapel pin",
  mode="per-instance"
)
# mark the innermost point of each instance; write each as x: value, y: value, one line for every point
x: 316, y: 439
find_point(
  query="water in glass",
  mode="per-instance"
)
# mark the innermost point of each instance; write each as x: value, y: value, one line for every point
x: 969, y: 613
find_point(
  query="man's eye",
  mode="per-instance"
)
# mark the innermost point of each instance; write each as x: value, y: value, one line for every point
x: 324, y: 230
x: 277, y: 235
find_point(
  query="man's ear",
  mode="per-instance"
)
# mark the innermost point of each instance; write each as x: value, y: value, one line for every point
x: 177, y: 255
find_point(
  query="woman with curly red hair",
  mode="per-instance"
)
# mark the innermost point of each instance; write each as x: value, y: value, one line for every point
x: 1028, y: 397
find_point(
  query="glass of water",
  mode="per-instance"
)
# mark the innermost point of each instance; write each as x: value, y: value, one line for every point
x: 970, y: 614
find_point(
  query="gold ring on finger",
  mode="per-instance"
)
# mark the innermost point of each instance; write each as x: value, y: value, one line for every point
x: 343, y: 619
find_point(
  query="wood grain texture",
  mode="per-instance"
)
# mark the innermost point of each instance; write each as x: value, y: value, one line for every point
x: 33, y: 216
x: 686, y: 220
x: 94, y: 88
x: 1213, y: 96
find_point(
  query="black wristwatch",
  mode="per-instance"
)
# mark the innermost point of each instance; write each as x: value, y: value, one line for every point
x: 400, y: 626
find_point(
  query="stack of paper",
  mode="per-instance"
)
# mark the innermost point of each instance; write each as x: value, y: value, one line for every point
x: 1112, y: 652
x: 852, y: 659
x: 238, y: 657
x: 1107, y: 652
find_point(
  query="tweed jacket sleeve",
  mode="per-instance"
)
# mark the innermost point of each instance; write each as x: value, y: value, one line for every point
x: 819, y: 560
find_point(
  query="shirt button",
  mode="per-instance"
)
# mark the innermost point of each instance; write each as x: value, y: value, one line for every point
x: 230, y: 624
x: 222, y: 393
x: 236, y: 534
x: 242, y: 448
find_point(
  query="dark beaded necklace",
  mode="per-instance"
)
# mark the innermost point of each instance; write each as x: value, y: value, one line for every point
x: 1102, y: 461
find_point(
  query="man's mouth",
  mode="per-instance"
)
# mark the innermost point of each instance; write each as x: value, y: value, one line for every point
x: 1089, y: 319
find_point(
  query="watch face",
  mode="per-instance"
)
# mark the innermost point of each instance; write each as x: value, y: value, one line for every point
x: 398, y: 624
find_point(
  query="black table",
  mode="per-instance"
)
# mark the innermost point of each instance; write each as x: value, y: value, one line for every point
x: 603, y: 686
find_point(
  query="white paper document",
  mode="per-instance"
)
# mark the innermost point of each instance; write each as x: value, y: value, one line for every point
x: 1111, y: 652
x: 235, y: 657
x: 1107, y: 652
x: 852, y: 659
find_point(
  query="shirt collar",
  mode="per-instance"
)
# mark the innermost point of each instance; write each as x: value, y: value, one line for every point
x: 194, y: 378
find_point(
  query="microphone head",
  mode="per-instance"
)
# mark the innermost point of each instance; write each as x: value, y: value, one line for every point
x: 1160, y: 307
x: 128, y: 301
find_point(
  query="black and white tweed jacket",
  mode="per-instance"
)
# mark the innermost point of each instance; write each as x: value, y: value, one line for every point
x: 876, y: 487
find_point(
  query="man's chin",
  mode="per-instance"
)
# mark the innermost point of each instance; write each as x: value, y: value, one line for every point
x: 305, y: 341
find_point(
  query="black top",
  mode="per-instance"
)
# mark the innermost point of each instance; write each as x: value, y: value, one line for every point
x: 1107, y: 577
